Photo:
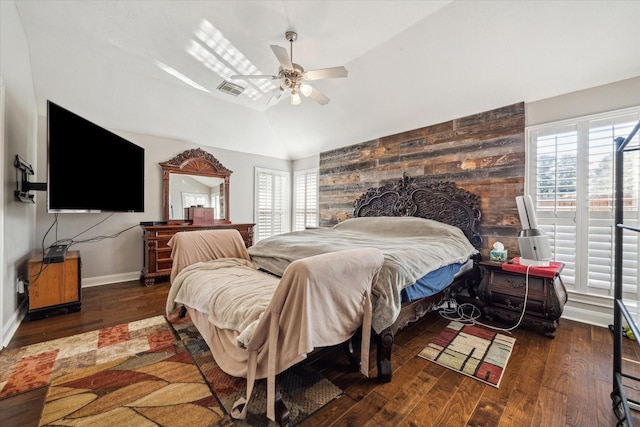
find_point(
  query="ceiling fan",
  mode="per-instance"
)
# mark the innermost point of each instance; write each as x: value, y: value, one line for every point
x: 293, y: 77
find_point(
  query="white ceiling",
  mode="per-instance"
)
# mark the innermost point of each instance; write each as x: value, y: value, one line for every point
x: 410, y: 63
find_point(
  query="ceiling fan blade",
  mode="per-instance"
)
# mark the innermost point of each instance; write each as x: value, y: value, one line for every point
x: 326, y: 73
x: 253, y: 76
x: 318, y: 96
x: 283, y: 57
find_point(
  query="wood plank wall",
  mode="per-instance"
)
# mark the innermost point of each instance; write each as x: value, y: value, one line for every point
x: 482, y: 153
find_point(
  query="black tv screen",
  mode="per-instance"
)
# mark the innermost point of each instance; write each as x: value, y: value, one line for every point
x: 89, y: 168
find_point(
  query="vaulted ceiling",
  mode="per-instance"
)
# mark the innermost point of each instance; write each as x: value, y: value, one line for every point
x: 410, y: 63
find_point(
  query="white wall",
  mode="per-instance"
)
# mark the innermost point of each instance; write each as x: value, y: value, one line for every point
x: 18, y: 219
x: 306, y: 163
x: 121, y: 258
x: 614, y: 96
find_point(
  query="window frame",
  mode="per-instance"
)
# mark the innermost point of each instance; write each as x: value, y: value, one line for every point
x: 578, y: 275
x: 284, y: 212
x: 310, y: 204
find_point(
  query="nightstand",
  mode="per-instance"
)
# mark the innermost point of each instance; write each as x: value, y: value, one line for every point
x: 502, y: 293
x: 54, y: 288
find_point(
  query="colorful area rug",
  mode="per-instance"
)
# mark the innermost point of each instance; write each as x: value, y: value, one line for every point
x: 303, y: 389
x: 161, y: 387
x: 140, y: 373
x: 26, y: 368
x: 471, y: 350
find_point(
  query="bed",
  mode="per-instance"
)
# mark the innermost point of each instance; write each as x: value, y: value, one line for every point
x: 420, y: 205
x: 369, y: 266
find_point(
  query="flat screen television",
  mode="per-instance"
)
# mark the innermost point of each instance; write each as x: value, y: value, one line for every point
x: 90, y: 169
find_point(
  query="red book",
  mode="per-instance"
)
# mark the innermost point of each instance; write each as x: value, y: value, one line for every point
x: 551, y: 271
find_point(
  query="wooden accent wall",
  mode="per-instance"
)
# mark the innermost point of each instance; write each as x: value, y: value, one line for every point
x: 482, y: 153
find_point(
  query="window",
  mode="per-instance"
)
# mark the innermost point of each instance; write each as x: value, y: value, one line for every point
x: 570, y: 174
x: 305, y: 195
x: 272, y: 203
x: 196, y: 199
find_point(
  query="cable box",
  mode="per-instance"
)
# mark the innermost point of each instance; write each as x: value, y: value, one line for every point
x: 55, y: 254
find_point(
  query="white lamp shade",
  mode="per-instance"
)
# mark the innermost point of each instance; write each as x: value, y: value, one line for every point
x: 305, y: 89
x: 295, y: 98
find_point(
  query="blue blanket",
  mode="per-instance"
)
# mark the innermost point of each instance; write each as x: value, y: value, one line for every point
x: 432, y: 283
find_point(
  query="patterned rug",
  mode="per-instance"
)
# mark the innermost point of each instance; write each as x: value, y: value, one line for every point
x: 471, y: 350
x: 161, y: 387
x: 26, y: 368
x: 140, y: 374
x: 303, y: 389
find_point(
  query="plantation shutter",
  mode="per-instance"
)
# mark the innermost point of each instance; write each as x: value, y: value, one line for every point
x: 572, y: 177
x: 555, y: 175
x: 601, y: 228
x: 305, y: 195
x: 272, y: 203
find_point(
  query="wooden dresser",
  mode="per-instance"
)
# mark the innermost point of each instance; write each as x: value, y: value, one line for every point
x: 157, y: 254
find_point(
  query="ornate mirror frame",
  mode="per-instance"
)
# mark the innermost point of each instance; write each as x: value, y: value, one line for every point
x: 194, y: 162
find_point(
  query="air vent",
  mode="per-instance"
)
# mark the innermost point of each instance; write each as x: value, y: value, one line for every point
x: 230, y: 88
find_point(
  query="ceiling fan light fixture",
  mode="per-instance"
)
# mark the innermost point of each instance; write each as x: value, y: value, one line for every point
x: 305, y: 89
x: 292, y: 76
x: 295, y: 98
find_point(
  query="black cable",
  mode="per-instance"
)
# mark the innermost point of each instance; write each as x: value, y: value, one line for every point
x: 457, y: 313
x: 68, y: 242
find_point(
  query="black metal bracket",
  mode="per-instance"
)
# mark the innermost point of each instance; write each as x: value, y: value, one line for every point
x: 23, y: 186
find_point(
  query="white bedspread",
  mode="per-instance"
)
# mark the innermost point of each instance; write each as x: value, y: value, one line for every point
x: 412, y: 247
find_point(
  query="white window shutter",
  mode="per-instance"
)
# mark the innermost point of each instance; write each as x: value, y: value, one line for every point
x: 570, y: 171
x: 271, y: 203
x: 305, y: 195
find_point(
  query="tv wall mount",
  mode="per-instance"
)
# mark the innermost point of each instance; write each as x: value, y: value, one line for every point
x: 23, y: 186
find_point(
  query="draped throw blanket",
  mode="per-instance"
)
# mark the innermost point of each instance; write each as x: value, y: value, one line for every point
x: 319, y: 301
x: 412, y: 247
x: 205, y: 246
x: 231, y: 291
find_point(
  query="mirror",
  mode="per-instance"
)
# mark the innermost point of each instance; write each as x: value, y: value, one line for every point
x: 195, y: 178
x: 193, y: 190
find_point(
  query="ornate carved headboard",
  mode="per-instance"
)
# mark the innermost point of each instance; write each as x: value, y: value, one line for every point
x: 439, y: 201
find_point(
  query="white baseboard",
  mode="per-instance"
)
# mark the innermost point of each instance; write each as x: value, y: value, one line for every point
x: 13, y: 323
x: 592, y: 309
x: 587, y: 316
x: 112, y: 278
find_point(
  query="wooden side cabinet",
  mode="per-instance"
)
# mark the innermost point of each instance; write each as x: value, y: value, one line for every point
x: 157, y: 252
x: 54, y: 288
x: 502, y: 295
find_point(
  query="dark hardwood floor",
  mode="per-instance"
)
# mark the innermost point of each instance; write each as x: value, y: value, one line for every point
x: 564, y: 381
